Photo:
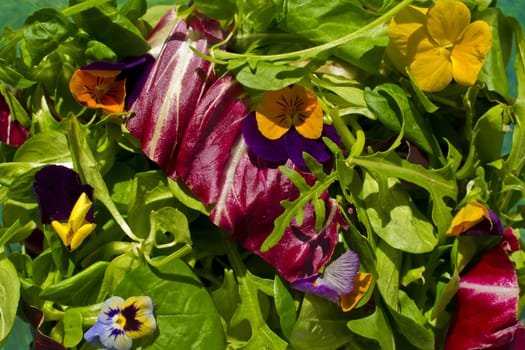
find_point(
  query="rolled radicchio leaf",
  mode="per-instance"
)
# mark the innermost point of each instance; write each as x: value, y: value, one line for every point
x: 190, y: 123
x: 487, y: 301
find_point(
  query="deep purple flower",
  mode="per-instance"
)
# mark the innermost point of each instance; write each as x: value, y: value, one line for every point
x: 290, y: 146
x: 336, y: 281
x: 487, y: 301
x: 57, y: 189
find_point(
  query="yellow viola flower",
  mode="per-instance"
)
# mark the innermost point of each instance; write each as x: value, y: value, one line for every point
x: 77, y: 228
x: 439, y: 44
x: 295, y: 106
x: 99, y: 89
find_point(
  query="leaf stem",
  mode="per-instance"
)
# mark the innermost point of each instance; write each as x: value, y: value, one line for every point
x: 313, y: 51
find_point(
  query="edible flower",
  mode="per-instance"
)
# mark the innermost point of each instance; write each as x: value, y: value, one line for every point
x: 475, y: 219
x: 111, y: 86
x: 487, y: 301
x: 65, y: 203
x: 439, y: 44
x: 288, y: 122
x: 341, y: 283
x: 77, y: 228
x: 120, y: 321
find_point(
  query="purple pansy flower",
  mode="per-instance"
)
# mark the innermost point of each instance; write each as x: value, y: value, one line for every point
x: 62, y: 197
x: 120, y: 321
x: 286, y: 123
x: 336, y: 281
x: 57, y: 189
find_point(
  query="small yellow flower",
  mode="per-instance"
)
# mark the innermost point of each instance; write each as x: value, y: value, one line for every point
x: 99, y: 89
x: 467, y: 217
x: 77, y: 228
x: 439, y: 44
x: 291, y: 106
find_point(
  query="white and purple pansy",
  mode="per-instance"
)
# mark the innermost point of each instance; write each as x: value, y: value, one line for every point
x: 120, y: 321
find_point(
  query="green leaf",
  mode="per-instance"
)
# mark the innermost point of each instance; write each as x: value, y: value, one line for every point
x: 73, y: 332
x: 9, y: 297
x: 387, y: 266
x: 219, y: 9
x: 320, y: 326
x: 494, y: 72
x: 284, y: 305
x: 294, y: 209
x: 173, y: 222
x: 439, y: 183
x: 184, y: 310
x: 115, y: 272
x: 488, y: 134
x: 250, y: 308
x: 80, y: 289
x: 411, y: 323
x: 395, y: 218
x: 44, y: 31
x: 112, y: 28
x: 374, y: 326
x: 89, y: 170
x: 48, y: 147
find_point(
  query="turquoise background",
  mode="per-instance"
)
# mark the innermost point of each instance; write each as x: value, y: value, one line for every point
x: 13, y: 14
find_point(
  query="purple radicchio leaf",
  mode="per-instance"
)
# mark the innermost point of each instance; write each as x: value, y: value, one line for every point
x: 11, y: 131
x: 190, y: 123
x: 487, y: 301
x: 171, y: 93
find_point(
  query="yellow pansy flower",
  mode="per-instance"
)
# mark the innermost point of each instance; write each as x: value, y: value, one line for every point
x: 439, y: 44
x: 77, y: 228
x: 295, y: 106
x: 467, y: 217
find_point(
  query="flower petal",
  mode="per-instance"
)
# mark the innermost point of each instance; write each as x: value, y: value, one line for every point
x: 143, y: 317
x: 99, y: 89
x: 57, y: 189
x: 446, y: 21
x: 467, y: 217
x: 115, y: 339
x: 405, y: 30
x: 111, y: 307
x: 431, y: 67
x: 296, y: 144
x: 309, y: 285
x: 273, y: 118
x: 339, y: 275
x: 270, y: 150
x: 468, y: 55
x: 362, y: 283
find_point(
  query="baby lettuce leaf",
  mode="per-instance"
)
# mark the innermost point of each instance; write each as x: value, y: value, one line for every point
x: 184, y: 310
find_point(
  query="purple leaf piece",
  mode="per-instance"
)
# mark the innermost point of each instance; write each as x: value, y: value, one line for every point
x: 11, y: 131
x: 487, y: 301
x: 190, y: 123
x: 170, y: 95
